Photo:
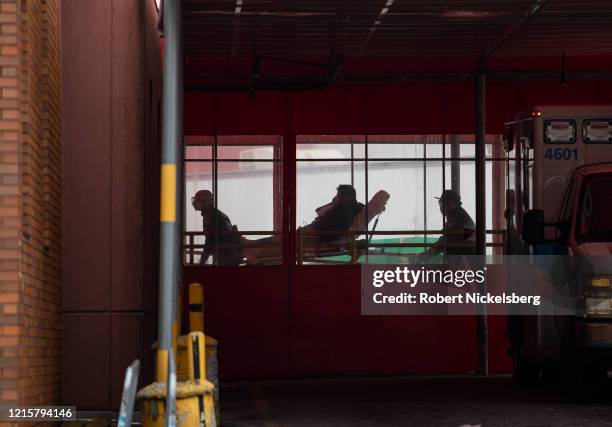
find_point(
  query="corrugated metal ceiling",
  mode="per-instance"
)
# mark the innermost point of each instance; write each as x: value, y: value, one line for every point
x: 391, y: 28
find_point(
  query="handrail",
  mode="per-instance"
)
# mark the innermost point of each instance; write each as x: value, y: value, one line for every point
x: 336, y: 232
x: 308, y: 248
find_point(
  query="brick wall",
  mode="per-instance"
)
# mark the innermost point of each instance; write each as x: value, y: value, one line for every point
x: 10, y: 201
x: 30, y: 193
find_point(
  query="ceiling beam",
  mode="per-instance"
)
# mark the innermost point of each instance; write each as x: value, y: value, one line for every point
x: 530, y: 13
x: 240, y: 82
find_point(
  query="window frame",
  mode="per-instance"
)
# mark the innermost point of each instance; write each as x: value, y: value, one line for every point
x: 546, y: 139
x: 277, y: 161
x: 586, y: 122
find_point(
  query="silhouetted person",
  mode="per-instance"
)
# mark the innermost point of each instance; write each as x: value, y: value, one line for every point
x: 337, y: 215
x: 223, y: 241
x: 459, y: 233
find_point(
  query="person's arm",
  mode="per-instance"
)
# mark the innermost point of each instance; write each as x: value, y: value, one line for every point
x: 208, y: 248
x: 433, y: 250
x: 450, y: 234
x: 454, y: 234
x: 210, y: 235
x: 322, y: 222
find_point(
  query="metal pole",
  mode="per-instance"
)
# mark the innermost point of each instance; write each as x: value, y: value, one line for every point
x: 455, y: 163
x: 172, y: 136
x: 481, y: 319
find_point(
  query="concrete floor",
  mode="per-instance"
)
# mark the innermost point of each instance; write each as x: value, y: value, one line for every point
x: 413, y: 401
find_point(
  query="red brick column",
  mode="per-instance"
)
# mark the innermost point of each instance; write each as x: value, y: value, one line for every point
x: 10, y: 202
x: 30, y: 202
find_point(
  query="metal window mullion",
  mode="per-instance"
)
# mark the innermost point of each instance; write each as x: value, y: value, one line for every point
x: 367, y: 218
x: 216, y: 196
x: 480, y: 176
x: 352, y: 165
x: 443, y: 179
x: 425, y: 184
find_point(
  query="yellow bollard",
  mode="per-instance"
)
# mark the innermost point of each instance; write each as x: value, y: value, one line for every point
x: 188, y: 393
x: 209, y: 363
x: 196, y: 308
x: 191, y: 358
x: 191, y: 366
x: 212, y: 371
x: 195, y: 396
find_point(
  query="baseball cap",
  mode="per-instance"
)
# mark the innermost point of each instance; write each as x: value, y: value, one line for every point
x: 450, y: 195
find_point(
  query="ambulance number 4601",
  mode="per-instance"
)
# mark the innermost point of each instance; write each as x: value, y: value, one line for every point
x: 561, y: 154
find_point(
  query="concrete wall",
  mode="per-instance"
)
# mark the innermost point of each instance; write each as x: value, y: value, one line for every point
x: 112, y: 83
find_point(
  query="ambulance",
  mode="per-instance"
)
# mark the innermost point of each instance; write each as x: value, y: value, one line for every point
x: 559, y: 203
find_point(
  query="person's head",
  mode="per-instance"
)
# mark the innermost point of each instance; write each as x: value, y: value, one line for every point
x: 449, y: 199
x: 345, y: 194
x: 202, y: 199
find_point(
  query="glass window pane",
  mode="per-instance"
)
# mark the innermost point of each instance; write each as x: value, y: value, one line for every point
x: 198, y: 152
x: 330, y: 147
x: 395, y: 146
x: 317, y: 183
x: 597, y: 131
x: 397, y: 233
x: 467, y: 147
x: 246, y: 152
x: 198, y: 176
x: 559, y: 131
x: 247, y: 227
x: 433, y: 146
x: 324, y: 162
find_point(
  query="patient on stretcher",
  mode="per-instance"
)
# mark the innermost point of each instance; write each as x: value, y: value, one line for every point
x: 336, y: 216
x: 336, y: 225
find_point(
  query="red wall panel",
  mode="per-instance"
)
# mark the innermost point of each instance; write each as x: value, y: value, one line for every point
x: 411, y: 108
x: 331, y: 337
x: 379, y: 108
x: 295, y: 321
x: 273, y: 323
x: 247, y: 310
x: 339, y: 107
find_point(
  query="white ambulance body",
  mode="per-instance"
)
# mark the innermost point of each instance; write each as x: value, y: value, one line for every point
x: 550, y: 143
x: 559, y: 189
x: 564, y: 139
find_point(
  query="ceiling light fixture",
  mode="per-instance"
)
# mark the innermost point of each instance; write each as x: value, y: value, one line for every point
x: 478, y: 14
x: 381, y: 14
x: 386, y: 7
x: 376, y: 24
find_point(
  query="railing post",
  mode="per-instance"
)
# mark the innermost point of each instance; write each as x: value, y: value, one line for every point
x: 300, y: 247
x: 353, y: 248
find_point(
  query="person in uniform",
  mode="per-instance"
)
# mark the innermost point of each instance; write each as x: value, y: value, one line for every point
x: 459, y: 235
x: 223, y: 242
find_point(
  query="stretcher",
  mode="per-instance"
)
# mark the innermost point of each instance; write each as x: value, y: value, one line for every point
x: 309, y: 246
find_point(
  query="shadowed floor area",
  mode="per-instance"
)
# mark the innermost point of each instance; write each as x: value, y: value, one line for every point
x: 421, y: 401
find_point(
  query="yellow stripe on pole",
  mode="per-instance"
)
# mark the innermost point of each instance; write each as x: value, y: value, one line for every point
x: 161, y: 369
x: 168, y: 192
